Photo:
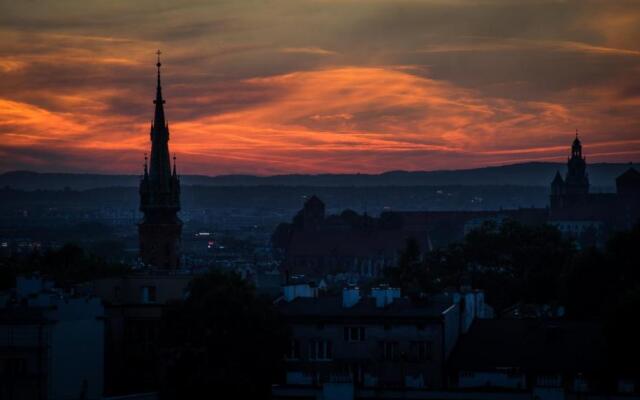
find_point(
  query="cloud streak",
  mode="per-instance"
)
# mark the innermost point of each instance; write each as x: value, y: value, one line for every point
x: 328, y: 86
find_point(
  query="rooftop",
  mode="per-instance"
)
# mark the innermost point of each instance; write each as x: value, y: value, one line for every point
x: 331, y: 307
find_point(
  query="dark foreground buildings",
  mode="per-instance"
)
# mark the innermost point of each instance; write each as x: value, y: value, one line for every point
x: 51, y: 343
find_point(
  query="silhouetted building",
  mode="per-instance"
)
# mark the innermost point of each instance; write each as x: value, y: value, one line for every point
x: 160, y: 229
x: 134, y: 306
x: 590, y: 216
x: 356, y: 245
x: 135, y: 303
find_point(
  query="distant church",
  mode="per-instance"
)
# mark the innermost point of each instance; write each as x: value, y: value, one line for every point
x: 572, y: 206
x: 160, y: 229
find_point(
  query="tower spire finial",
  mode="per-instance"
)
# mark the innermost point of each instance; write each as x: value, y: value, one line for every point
x: 158, y: 119
x: 158, y: 65
x: 174, y: 165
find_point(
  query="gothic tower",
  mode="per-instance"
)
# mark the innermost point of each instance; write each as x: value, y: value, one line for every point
x: 160, y: 229
x: 577, y: 180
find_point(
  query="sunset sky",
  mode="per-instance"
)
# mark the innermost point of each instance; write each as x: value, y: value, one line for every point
x: 308, y: 86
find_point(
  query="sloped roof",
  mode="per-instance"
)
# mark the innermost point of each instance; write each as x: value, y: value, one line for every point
x: 557, y: 178
x: 331, y: 307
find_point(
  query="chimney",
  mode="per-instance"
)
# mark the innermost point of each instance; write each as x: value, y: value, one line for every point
x: 385, y: 295
x: 350, y: 296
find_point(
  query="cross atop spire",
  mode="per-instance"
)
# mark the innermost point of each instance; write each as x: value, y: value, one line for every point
x: 158, y: 119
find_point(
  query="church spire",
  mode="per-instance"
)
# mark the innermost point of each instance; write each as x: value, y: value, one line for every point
x: 160, y: 164
x: 158, y: 119
x: 161, y: 228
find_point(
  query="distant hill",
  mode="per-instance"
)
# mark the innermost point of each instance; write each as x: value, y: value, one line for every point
x: 602, y: 177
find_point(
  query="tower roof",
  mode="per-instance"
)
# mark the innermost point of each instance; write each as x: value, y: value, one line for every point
x: 557, y: 179
x: 576, y: 141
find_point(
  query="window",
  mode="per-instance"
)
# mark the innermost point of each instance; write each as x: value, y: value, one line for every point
x: 390, y: 351
x: 549, y: 380
x: 294, y: 350
x: 320, y: 350
x: 421, y: 350
x: 148, y: 294
x: 354, y: 333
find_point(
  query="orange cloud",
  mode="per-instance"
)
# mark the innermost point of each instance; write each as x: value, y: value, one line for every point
x: 331, y: 120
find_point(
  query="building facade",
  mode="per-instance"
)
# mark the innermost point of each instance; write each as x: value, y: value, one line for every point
x: 51, y: 343
x: 357, y: 247
x: 368, y: 342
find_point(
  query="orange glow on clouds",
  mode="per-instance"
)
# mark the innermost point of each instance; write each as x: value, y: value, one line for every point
x: 363, y: 89
x: 334, y: 120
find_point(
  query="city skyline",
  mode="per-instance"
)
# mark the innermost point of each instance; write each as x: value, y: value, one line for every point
x: 310, y: 87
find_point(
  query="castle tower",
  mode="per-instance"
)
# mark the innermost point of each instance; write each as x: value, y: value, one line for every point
x: 160, y: 229
x: 577, y: 180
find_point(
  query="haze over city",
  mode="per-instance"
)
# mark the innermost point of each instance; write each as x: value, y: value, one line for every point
x: 272, y: 87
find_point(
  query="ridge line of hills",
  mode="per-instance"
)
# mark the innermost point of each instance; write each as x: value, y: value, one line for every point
x: 602, y: 175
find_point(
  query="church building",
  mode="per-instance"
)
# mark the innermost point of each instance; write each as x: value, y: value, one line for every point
x: 160, y: 229
x: 576, y: 211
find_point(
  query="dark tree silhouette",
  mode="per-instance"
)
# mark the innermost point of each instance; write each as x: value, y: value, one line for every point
x: 68, y: 265
x: 223, y: 339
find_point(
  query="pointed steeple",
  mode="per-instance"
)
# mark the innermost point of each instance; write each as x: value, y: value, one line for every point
x: 161, y: 228
x: 160, y: 164
x: 158, y: 119
x: 558, y: 178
